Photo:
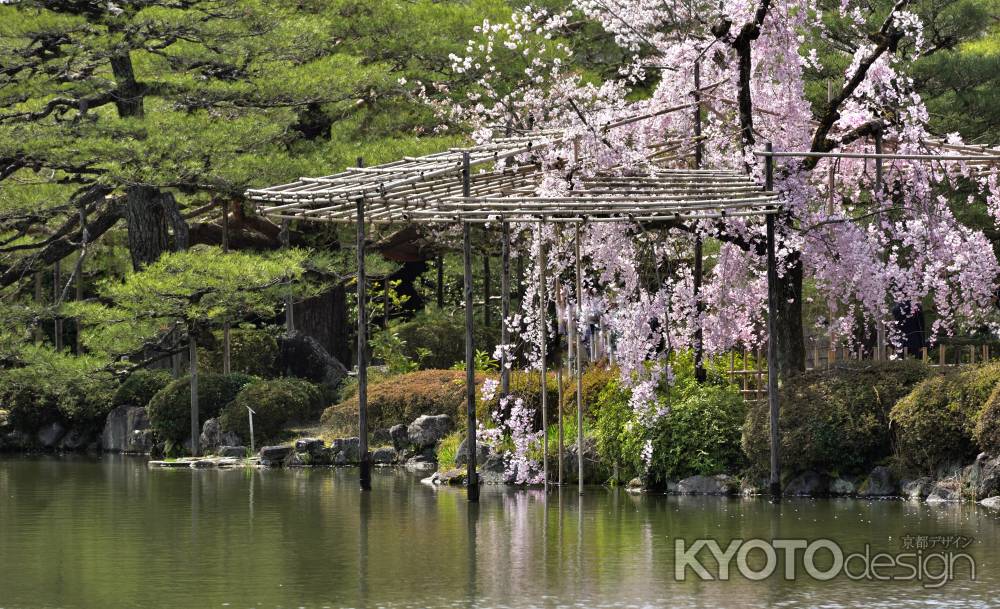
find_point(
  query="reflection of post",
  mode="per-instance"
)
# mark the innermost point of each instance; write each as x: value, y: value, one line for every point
x: 472, y: 524
x: 472, y: 483
x: 542, y: 338
x: 366, y: 480
x: 365, y: 509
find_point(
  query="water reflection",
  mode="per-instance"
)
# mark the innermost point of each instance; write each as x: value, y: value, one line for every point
x: 111, y: 533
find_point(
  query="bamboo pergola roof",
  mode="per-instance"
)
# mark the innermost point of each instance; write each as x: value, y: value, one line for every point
x: 429, y: 189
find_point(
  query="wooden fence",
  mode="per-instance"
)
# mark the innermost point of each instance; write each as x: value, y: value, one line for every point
x: 748, y: 367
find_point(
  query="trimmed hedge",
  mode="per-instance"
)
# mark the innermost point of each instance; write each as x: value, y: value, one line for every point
x: 170, y: 409
x: 833, y: 420
x: 403, y: 398
x: 700, y: 435
x: 140, y: 387
x: 275, y: 403
x: 987, y: 432
x: 39, y: 395
x: 936, y: 423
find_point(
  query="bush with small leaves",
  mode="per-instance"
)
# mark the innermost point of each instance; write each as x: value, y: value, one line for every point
x: 170, y: 409
x: 276, y: 403
x: 140, y: 387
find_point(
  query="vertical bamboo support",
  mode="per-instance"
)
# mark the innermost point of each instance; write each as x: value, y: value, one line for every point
x: 543, y: 338
x: 38, y: 301
x: 365, y: 474
x: 440, y: 281
x: 732, y: 366
x: 504, y: 308
x: 559, y: 410
x: 226, y: 339
x: 487, y: 292
x: 193, y: 369
x: 924, y: 355
x: 941, y: 354
x: 77, y: 340
x: 772, y: 346
x: 816, y: 355
x: 57, y: 329
x: 472, y: 484
x: 699, y: 364
x: 386, y: 301
x: 289, y: 305
x: 579, y: 365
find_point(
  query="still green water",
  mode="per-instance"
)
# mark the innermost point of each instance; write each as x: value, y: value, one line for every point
x: 110, y: 533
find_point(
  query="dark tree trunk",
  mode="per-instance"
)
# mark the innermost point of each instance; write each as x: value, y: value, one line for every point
x: 148, y: 235
x: 324, y: 318
x: 788, y: 332
x: 128, y: 92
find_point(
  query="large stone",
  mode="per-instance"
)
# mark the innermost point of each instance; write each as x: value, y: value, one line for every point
x: 239, y: 452
x: 945, y: 491
x: 593, y: 471
x: 984, y: 478
x: 428, y: 430
x: 880, y: 483
x: 385, y: 455
x: 274, y: 456
x: 49, y: 435
x: 843, y: 487
x: 452, y: 477
x: 381, y: 437
x: 398, y: 437
x: 213, y: 437
x: 917, y: 489
x: 462, y: 454
x: 304, y: 357
x: 493, y: 470
x: 421, y: 463
x: 127, y: 430
x: 312, y: 446
x: 76, y: 439
x: 991, y: 502
x: 707, y: 485
x: 806, y: 484
x: 346, y: 451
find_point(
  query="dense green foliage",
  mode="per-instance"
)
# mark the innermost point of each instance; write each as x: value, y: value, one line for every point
x: 935, y: 424
x: 403, y: 398
x: 435, y: 338
x: 170, y: 409
x: 252, y: 351
x: 833, y: 420
x: 140, y: 387
x: 987, y: 431
x: 275, y: 403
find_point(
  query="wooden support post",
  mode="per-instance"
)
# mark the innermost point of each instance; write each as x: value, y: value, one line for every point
x: 504, y: 308
x: 193, y: 369
x: 699, y: 364
x: 289, y: 305
x: 226, y: 339
x: 77, y: 341
x: 559, y: 407
x: 365, y: 475
x: 487, y: 292
x: 38, y: 301
x: 543, y: 338
x: 57, y: 326
x: 386, y: 301
x: 941, y: 354
x: 579, y: 363
x: 772, y: 345
x: 472, y: 486
x: 440, y: 281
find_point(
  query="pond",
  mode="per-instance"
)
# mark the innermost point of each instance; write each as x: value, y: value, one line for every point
x: 110, y: 532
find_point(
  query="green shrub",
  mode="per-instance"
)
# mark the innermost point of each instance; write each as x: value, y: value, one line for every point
x: 700, y: 434
x: 275, y: 403
x: 140, y: 387
x: 987, y: 432
x: 527, y: 386
x: 403, y: 398
x: 170, y: 409
x: 620, y: 437
x: 56, y: 387
x: 252, y: 351
x: 436, y: 338
x: 936, y: 423
x: 595, y: 379
x: 833, y: 420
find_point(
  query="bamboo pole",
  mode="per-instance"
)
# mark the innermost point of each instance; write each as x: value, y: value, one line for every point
x: 559, y: 407
x: 487, y: 292
x: 226, y: 339
x: 57, y: 326
x: 504, y: 308
x: 543, y: 336
x: 38, y: 301
x: 472, y: 485
x: 772, y: 345
x: 440, y: 281
x: 579, y: 364
x: 193, y: 370
x: 289, y: 305
x: 365, y: 474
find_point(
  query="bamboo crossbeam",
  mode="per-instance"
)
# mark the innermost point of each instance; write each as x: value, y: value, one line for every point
x: 889, y: 156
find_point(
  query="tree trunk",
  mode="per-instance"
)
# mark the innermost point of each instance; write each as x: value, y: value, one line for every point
x: 788, y: 331
x: 128, y: 92
x: 148, y: 236
x: 324, y: 318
